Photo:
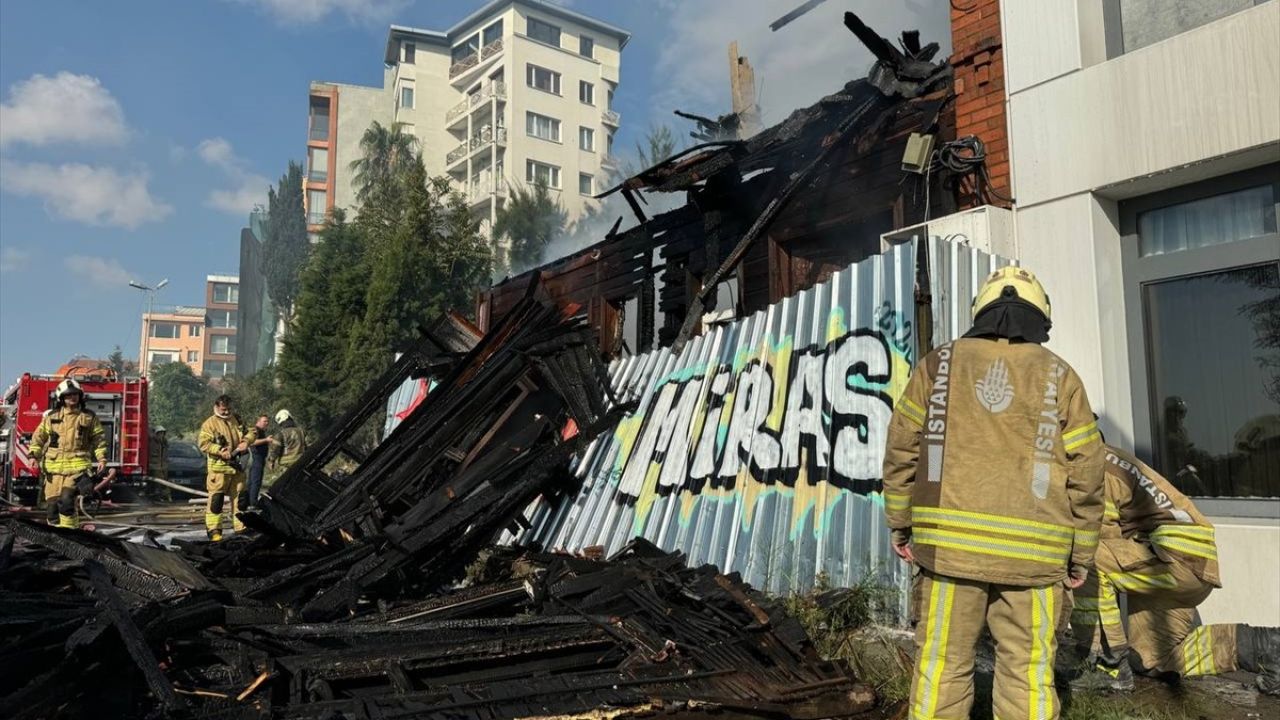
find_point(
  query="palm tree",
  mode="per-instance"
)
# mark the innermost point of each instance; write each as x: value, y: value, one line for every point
x: 387, y: 151
x: 531, y: 219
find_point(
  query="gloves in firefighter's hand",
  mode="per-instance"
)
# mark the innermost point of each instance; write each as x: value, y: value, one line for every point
x: 1076, y: 576
x: 901, y: 539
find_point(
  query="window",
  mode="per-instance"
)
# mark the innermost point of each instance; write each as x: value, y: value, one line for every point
x: 586, y: 46
x: 193, y: 356
x: 318, y: 164
x: 315, y: 207
x: 541, y: 126
x: 161, y: 358
x: 165, y: 330
x: 406, y: 96
x: 542, y: 174
x: 586, y: 92
x: 219, y: 368
x: 465, y: 49
x: 319, y: 118
x: 1202, y: 291
x: 222, y: 318
x: 226, y: 293
x: 194, y: 330
x: 223, y: 344
x: 544, y: 31
x: 610, y: 99
x: 1132, y: 24
x: 1214, y: 220
x: 493, y: 33
x: 543, y: 79
x: 587, y: 139
x: 410, y: 51
x: 585, y: 185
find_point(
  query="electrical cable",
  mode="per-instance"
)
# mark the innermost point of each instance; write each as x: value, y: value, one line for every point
x: 968, y: 156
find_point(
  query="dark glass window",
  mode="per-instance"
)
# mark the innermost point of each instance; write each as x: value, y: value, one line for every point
x: 546, y: 32
x: 1213, y: 354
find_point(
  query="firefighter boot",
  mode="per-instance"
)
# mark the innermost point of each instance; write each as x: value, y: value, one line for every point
x: 67, y: 515
x: 1109, y: 672
x: 1258, y: 651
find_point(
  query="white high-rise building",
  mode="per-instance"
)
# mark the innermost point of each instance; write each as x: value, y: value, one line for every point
x: 519, y: 91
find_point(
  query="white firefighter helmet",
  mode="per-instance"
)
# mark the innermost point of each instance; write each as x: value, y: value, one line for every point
x: 158, y: 429
x: 68, y: 386
x: 282, y: 415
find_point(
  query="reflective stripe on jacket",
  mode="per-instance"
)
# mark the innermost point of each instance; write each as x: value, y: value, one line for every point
x: 994, y: 464
x: 68, y: 441
x: 1147, y: 507
x: 217, y: 434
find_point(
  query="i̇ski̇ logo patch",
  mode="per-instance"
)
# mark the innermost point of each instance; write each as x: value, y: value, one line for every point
x: 994, y: 391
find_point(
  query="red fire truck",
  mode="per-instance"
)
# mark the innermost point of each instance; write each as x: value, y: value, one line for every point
x: 120, y: 403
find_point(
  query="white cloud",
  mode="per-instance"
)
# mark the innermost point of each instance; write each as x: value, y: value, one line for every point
x: 813, y: 56
x: 310, y: 11
x: 64, y: 108
x: 104, y: 273
x: 249, y: 189
x: 12, y: 258
x: 85, y: 193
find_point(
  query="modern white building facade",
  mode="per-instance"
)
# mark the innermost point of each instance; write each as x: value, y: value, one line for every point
x: 518, y: 92
x: 1145, y: 160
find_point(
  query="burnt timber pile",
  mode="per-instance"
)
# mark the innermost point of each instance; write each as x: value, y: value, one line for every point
x: 350, y: 601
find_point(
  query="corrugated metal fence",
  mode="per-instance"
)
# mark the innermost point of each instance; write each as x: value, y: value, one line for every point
x: 758, y: 448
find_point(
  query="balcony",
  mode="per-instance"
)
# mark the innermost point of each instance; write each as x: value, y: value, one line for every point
x: 457, y: 153
x: 492, y: 90
x: 609, y: 117
x: 470, y: 61
x: 487, y: 136
x: 484, y: 187
x: 609, y: 161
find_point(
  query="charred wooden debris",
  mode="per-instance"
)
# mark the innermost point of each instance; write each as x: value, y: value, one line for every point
x: 776, y: 212
x: 376, y: 593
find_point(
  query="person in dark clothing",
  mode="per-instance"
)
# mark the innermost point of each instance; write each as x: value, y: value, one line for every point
x: 258, y: 451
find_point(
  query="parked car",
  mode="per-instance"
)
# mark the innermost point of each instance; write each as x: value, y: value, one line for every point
x: 186, y: 464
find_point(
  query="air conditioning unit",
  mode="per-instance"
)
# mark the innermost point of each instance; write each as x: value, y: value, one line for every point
x: 987, y: 228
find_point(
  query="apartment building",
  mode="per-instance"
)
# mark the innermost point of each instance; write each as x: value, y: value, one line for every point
x: 518, y: 92
x: 173, y: 335
x: 222, y: 301
x: 1141, y: 142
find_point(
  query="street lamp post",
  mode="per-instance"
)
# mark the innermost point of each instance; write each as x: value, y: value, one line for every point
x: 145, y: 361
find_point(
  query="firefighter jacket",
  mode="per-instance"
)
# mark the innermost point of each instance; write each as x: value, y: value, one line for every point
x: 68, y: 441
x: 158, y: 457
x: 993, y: 464
x: 291, y: 445
x: 218, y: 433
x: 1143, y: 506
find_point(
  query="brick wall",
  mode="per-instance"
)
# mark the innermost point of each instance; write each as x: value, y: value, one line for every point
x: 980, y: 92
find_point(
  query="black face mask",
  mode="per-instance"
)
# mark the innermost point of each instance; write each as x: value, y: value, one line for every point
x: 1013, y: 319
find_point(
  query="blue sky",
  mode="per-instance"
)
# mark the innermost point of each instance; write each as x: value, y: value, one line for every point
x: 136, y: 135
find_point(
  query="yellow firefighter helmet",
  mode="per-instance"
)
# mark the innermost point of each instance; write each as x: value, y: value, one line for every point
x: 1020, y: 281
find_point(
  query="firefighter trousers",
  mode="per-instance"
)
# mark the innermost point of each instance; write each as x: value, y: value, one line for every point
x: 227, y: 491
x: 1162, y: 596
x: 952, y: 615
x: 60, y: 497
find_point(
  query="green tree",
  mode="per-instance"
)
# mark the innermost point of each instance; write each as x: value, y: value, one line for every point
x: 177, y: 399
x: 432, y: 259
x: 120, y: 364
x: 285, y: 248
x: 385, y: 154
x: 530, y: 220
x: 255, y: 394
x: 331, y: 302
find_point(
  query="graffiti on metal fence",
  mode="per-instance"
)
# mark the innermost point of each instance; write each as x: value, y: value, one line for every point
x: 809, y: 422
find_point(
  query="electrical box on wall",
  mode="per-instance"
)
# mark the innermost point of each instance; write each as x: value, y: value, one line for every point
x: 918, y: 153
x: 986, y: 228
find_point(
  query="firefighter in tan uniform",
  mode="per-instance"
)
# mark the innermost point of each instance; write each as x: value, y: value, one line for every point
x: 68, y: 441
x: 223, y: 439
x: 993, y: 485
x: 1159, y: 551
x: 292, y: 443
